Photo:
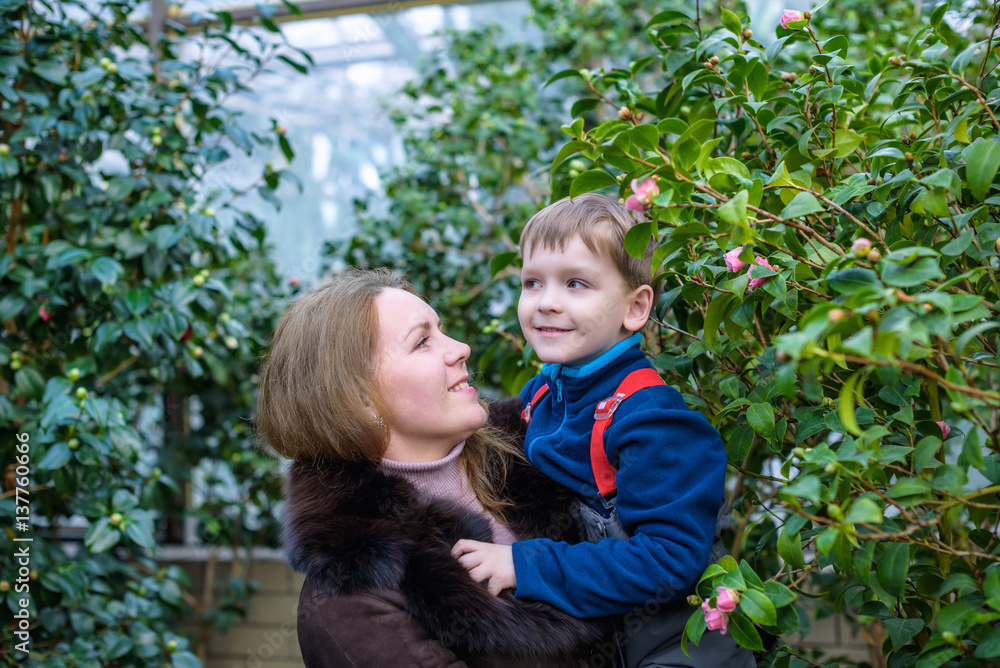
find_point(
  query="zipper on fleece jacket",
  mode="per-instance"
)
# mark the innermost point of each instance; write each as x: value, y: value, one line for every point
x: 559, y: 398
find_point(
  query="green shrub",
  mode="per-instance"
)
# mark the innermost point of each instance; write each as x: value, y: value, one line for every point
x: 132, y: 280
x: 850, y: 362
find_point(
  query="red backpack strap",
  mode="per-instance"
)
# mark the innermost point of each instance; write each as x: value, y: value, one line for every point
x: 604, y: 472
x: 539, y: 393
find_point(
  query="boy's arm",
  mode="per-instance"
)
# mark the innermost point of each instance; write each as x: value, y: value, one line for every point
x: 671, y: 472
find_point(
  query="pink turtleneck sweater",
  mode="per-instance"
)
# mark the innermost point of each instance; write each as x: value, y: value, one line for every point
x: 443, y: 480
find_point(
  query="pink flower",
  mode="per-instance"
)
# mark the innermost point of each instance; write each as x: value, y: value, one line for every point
x: 757, y: 282
x: 792, y: 17
x: 861, y: 247
x: 645, y: 191
x: 727, y: 599
x: 733, y: 261
x: 716, y: 620
x: 43, y: 314
x: 294, y: 281
x: 945, y: 429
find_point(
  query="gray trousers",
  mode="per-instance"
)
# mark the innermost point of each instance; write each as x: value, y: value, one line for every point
x: 650, y: 635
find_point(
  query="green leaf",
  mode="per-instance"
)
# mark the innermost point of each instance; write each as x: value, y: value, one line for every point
x: 185, y: 659
x: 101, y: 536
x: 52, y: 71
x: 790, y: 547
x: 501, y: 261
x: 806, y: 486
x: 56, y: 457
x: 761, y: 418
x: 850, y: 281
x: 847, y: 141
x: 637, y: 239
x: 989, y: 646
x: 731, y: 22
x: 744, y: 632
x: 963, y: 59
x: 902, y: 631
x: 141, y: 532
x: 107, y: 270
x: 911, y: 275
x: 735, y: 210
x: 714, y: 317
x: 892, y: 567
x: 566, y: 151
x: 779, y: 594
x: 845, y: 405
x: 29, y: 383
x: 11, y: 306
x: 591, y: 180
x: 758, y: 607
x: 802, y: 205
x: 982, y: 159
x: 864, y: 510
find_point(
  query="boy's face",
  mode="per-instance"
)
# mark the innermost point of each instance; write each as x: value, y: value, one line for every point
x: 574, y: 304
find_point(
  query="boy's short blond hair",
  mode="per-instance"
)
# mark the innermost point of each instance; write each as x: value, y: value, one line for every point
x: 601, y: 223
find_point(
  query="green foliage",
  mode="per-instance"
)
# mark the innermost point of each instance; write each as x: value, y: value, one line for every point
x: 850, y: 167
x: 132, y: 281
x: 828, y: 363
x: 481, y: 127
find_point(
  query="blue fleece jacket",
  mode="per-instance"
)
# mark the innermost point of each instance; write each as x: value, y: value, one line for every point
x: 671, y: 470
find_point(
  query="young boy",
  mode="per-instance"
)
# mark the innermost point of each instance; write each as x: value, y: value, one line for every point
x: 650, y: 480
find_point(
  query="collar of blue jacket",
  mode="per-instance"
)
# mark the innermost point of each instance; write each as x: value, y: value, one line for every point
x: 554, y: 371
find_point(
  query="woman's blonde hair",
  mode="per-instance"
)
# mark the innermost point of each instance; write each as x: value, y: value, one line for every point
x: 318, y: 390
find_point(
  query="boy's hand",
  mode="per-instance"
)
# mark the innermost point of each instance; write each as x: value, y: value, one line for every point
x: 487, y: 561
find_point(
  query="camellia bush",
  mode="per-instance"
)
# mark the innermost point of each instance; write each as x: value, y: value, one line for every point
x: 827, y: 212
x: 828, y: 220
x: 135, y: 296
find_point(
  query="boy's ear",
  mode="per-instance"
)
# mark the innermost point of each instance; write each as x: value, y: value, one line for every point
x: 639, y: 307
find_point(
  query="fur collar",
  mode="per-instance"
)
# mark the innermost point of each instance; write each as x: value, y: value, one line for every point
x: 352, y: 528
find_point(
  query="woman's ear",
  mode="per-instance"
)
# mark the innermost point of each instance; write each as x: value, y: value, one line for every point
x: 640, y: 305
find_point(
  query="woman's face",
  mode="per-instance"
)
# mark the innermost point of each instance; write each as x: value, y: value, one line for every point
x: 422, y: 377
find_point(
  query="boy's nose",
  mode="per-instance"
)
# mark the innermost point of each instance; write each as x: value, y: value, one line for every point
x: 549, y: 301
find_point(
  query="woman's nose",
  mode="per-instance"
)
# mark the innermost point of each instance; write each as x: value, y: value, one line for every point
x: 458, y: 351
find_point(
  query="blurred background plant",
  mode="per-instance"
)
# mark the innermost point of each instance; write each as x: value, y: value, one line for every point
x: 136, y: 294
x: 828, y: 222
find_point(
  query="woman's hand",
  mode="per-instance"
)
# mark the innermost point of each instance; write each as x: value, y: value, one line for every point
x: 487, y: 561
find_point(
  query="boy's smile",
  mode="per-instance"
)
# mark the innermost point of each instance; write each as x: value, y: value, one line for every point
x: 574, y: 303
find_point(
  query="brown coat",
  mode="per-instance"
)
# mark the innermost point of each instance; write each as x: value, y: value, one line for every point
x: 382, y: 588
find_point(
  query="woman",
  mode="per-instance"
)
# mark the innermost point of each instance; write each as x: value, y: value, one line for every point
x: 391, y: 466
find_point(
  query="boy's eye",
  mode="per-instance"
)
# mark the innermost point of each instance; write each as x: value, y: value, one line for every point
x: 529, y: 283
x: 576, y: 284
x: 422, y: 343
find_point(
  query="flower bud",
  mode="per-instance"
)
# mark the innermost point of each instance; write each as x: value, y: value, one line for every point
x: 895, y: 61
x: 861, y: 247
x: 874, y: 256
x: 949, y: 637
x: 807, y: 15
x: 833, y: 510
x: 4, y: 150
x: 908, y: 157
x: 74, y: 374
x: 837, y: 314
x: 927, y: 307
x: 73, y: 443
x: 714, y: 60
x: 625, y: 114
x: 81, y: 393
x: 747, y: 34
